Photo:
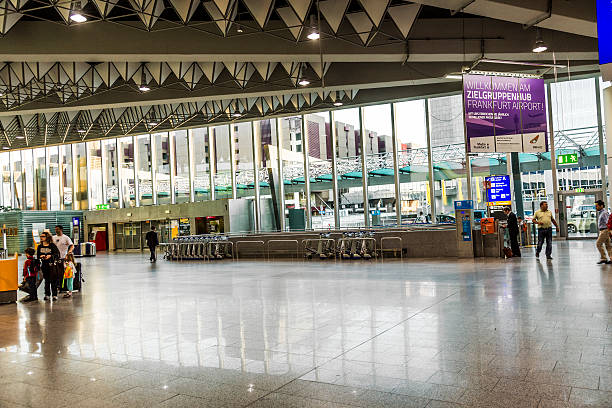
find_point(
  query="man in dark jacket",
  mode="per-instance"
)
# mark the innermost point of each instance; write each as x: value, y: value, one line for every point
x: 152, y: 243
x: 513, y: 230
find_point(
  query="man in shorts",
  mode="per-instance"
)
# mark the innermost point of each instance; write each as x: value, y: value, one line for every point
x: 62, y: 242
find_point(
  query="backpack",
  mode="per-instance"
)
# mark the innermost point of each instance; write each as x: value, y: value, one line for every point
x: 34, y: 267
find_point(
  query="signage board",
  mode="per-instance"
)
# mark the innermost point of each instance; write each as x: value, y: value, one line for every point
x: 464, y: 205
x: 604, y: 30
x: 102, y: 206
x: 571, y: 158
x: 579, y: 190
x: 505, y: 114
x: 498, y: 190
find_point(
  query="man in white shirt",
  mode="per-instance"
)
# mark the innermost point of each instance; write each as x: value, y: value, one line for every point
x: 63, y: 242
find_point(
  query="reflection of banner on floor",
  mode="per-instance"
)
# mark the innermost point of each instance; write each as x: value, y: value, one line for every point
x: 505, y: 114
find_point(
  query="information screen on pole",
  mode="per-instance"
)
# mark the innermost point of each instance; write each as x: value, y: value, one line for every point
x: 498, y: 191
x: 505, y: 114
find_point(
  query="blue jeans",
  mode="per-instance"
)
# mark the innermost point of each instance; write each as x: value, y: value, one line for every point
x: 544, y: 234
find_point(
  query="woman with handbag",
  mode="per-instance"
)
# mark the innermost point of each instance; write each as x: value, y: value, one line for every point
x: 49, y: 256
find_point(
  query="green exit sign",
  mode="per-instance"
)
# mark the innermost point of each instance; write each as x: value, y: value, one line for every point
x: 102, y: 206
x: 571, y: 158
x: 579, y: 190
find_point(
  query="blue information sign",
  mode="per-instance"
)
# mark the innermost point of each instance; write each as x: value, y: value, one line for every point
x: 498, y: 190
x: 604, y: 30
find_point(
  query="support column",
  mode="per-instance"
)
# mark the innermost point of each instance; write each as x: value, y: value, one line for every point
x: 281, y: 178
x: 335, y: 192
x: 119, y: 172
x: 600, y: 131
x: 212, y: 166
x: 153, y: 169
x: 191, y: 165
x: 432, y: 181
x: 518, y: 184
x: 607, y: 105
x: 306, y: 173
x: 553, y: 159
x: 364, y: 169
x: 136, y: 165
x: 256, y: 141
x: 232, y: 146
x: 172, y: 162
x: 396, y: 173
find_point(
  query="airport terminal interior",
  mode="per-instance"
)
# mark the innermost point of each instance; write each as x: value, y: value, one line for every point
x: 305, y: 203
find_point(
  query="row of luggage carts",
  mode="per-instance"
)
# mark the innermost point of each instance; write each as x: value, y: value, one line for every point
x: 352, y: 245
x: 202, y: 247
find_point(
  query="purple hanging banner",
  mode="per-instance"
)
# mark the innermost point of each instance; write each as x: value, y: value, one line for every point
x: 505, y: 114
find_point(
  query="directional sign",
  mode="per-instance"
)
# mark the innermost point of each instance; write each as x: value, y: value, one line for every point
x: 498, y: 190
x: 571, y: 158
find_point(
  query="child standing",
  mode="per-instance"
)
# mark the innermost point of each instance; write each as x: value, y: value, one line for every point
x: 69, y: 269
x: 30, y: 272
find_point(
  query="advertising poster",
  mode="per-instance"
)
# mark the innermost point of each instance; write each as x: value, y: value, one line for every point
x: 505, y: 114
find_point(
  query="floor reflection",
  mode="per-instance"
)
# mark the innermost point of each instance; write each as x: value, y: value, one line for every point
x: 520, y: 332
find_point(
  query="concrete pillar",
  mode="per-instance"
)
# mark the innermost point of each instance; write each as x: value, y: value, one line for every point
x: 607, y: 105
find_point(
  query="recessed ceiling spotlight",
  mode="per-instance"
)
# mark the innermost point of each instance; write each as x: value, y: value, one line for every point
x: 144, y: 88
x: 239, y: 30
x: 81, y: 131
x: 313, y: 33
x: 19, y: 137
x: 313, y: 36
x: 304, y: 82
x: 338, y: 103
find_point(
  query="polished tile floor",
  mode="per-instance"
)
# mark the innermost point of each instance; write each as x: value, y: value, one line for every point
x: 418, y: 333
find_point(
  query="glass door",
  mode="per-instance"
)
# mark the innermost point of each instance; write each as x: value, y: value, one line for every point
x: 581, y: 216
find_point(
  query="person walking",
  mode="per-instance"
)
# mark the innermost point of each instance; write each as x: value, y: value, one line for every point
x: 152, y: 243
x: 49, y: 255
x: 544, y: 219
x: 603, y: 239
x: 513, y: 231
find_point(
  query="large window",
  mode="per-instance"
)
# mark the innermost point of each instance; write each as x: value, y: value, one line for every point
x: 245, y: 173
x: 67, y: 176
x: 181, y: 166
x: 94, y: 163
x: 379, y: 165
x: 126, y: 171
x: 200, y: 160
x: 80, y: 157
x: 222, y: 171
x: 413, y: 162
x: 40, y: 179
x: 5, y: 168
x: 348, y: 163
x: 143, y: 169
x: 270, y: 207
x: 161, y: 158
x: 448, y: 150
x: 293, y: 172
x: 53, y: 195
x: 318, y: 133
x: 28, y: 178
x: 111, y: 172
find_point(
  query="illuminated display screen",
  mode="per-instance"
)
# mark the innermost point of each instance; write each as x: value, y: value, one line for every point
x: 604, y: 30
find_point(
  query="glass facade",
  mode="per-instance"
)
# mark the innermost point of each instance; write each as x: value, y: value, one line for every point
x: 380, y: 165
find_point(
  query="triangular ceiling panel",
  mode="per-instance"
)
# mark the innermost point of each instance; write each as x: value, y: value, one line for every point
x: 300, y: 7
x: 265, y: 69
x: 184, y: 8
x: 375, y: 9
x: 318, y: 69
x: 333, y: 11
x: 404, y: 16
x: 8, y: 16
x: 362, y: 25
x: 260, y: 10
x: 105, y: 6
x: 291, y: 20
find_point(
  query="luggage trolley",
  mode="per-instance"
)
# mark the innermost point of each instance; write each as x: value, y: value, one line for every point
x: 357, y: 245
x: 323, y: 248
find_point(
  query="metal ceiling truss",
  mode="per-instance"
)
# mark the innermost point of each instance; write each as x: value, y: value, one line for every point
x: 67, y: 82
x: 290, y: 19
x: 32, y: 130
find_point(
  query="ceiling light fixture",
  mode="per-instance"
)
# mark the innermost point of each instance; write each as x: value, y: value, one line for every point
x: 338, y: 103
x: 314, y: 33
x: 5, y: 147
x: 19, y: 137
x: 81, y: 131
x: 143, y: 87
x: 304, y: 82
x: 453, y: 75
x: 153, y: 123
x: 239, y: 30
x: 236, y: 115
x: 540, y: 45
x: 76, y: 14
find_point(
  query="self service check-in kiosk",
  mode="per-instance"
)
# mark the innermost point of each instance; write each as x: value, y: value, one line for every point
x: 464, y: 219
